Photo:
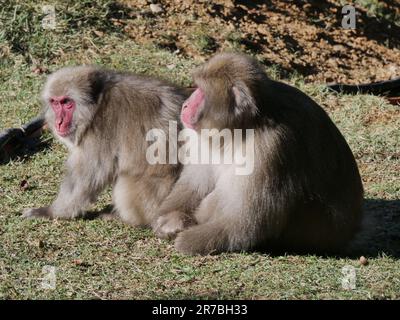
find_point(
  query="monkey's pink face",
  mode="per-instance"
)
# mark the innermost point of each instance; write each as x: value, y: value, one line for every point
x: 191, y: 109
x: 63, y: 108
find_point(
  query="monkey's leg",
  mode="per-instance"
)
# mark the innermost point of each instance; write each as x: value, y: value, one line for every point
x: 217, y: 235
x: 128, y: 202
x: 228, y: 226
x: 137, y: 198
x: 207, y: 207
x: 207, y: 238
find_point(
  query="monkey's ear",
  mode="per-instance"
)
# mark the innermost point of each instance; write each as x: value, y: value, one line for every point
x: 96, y: 85
x: 244, y: 101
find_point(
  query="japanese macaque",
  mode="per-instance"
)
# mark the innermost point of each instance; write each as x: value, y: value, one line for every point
x: 305, y: 193
x: 103, y: 117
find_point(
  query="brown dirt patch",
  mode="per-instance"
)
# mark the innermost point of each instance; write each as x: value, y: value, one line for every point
x: 301, y: 36
x: 381, y: 117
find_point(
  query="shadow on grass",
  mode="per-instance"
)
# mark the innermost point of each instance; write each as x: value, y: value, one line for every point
x: 380, y: 231
x: 379, y: 235
x: 107, y: 213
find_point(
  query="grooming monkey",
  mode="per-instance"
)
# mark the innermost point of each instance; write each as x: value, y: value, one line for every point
x: 103, y: 117
x: 305, y: 193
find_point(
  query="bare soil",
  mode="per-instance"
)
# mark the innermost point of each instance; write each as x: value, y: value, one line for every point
x: 298, y: 36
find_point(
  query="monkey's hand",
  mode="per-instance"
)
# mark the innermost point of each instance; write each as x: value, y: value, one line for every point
x: 32, y: 213
x: 169, y: 225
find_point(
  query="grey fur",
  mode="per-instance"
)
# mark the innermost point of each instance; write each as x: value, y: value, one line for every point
x: 114, y: 112
x: 305, y: 193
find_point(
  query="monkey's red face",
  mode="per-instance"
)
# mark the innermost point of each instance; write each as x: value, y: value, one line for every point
x: 191, y: 109
x: 63, y: 108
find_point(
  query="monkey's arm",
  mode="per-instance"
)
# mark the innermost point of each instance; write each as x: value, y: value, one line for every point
x: 176, y: 212
x: 72, y: 199
x: 78, y: 190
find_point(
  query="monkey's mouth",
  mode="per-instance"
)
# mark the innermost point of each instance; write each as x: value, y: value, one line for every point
x: 189, y: 120
x: 188, y: 124
x: 64, y: 132
x: 64, y: 129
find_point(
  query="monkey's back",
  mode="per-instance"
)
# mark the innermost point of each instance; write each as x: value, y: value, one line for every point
x: 312, y: 170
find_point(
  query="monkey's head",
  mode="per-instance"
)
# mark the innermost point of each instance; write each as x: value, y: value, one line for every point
x: 70, y: 97
x: 226, y: 93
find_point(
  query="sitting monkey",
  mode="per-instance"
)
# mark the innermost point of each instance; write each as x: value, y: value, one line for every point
x: 305, y: 193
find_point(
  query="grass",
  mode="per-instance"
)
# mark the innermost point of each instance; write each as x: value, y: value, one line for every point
x: 380, y: 10
x: 203, y: 41
x: 109, y: 260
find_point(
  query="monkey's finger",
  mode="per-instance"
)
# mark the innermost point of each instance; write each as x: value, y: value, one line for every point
x: 33, y: 213
x: 162, y: 233
x: 167, y: 227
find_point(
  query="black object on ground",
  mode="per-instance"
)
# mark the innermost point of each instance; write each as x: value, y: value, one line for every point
x: 389, y: 88
x: 14, y: 139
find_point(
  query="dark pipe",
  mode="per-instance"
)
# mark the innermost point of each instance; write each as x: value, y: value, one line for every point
x: 390, y: 88
x: 12, y: 140
x: 25, y: 131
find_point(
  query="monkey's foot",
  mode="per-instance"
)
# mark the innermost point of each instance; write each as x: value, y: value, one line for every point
x: 169, y: 225
x: 33, y: 213
x: 187, y: 243
x: 202, y: 239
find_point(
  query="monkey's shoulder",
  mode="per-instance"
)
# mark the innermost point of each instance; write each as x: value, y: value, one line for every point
x: 284, y: 94
x: 286, y: 104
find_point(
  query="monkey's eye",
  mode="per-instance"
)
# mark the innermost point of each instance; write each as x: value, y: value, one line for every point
x: 65, y: 101
x: 51, y: 100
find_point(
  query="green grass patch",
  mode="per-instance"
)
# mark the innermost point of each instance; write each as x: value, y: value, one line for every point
x: 110, y: 260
